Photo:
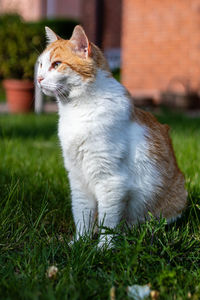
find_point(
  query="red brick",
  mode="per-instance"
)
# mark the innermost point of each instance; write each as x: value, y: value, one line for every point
x: 111, y: 22
x: 160, y: 44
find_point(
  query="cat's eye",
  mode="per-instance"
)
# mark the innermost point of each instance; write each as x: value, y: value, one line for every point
x: 40, y: 65
x: 56, y: 64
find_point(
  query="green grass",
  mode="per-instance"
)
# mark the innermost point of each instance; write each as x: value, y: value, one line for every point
x: 36, y: 224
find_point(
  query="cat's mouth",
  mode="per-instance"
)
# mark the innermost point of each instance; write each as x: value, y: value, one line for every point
x: 47, y: 91
x: 55, y: 90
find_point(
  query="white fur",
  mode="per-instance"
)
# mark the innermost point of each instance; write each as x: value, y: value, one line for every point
x: 105, y: 152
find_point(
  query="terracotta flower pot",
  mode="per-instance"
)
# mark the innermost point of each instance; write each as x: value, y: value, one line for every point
x: 19, y: 94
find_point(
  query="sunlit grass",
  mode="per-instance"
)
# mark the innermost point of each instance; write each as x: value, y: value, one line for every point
x: 36, y: 224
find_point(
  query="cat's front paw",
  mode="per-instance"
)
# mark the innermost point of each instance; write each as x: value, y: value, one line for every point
x: 74, y: 240
x: 106, y: 242
x: 71, y: 243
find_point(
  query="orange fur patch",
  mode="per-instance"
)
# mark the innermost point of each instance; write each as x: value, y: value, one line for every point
x: 170, y: 197
x: 62, y: 50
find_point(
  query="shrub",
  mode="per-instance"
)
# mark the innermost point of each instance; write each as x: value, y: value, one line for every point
x: 21, y: 42
x: 62, y: 27
x: 18, y: 42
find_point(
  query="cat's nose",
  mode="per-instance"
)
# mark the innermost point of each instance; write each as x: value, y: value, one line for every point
x: 40, y: 78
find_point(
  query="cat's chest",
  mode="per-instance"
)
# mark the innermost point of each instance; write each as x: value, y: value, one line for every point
x: 75, y: 132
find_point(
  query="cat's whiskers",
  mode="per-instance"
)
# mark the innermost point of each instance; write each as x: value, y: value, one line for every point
x: 50, y: 86
x: 61, y: 94
x: 56, y: 88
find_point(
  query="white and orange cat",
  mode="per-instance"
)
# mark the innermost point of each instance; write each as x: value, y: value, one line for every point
x: 119, y: 159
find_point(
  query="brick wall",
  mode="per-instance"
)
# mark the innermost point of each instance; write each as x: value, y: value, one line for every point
x: 34, y: 10
x: 112, y: 24
x: 30, y: 10
x: 160, y: 45
x: 68, y: 8
x: 110, y: 21
x: 88, y: 18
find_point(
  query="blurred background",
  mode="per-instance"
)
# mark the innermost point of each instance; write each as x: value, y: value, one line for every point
x: 152, y: 47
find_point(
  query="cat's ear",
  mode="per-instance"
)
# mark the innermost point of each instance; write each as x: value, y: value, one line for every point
x: 80, y: 42
x: 51, y: 35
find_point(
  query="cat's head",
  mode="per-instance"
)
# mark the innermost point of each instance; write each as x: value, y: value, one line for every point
x: 69, y: 65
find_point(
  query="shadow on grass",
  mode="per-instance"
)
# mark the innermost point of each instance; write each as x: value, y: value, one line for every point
x: 33, y: 191
x: 178, y: 121
x: 28, y: 126
x: 31, y: 126
x: 191, y: 215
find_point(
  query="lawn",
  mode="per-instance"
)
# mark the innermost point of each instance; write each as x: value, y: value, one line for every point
x: 36, y: 224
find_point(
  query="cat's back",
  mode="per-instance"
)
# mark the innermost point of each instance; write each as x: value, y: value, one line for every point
x: 170, y: 194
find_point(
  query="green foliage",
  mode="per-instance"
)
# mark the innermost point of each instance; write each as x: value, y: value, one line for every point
x: 36, y: 224
x: 18, y: 42
x: 63, y: 27
x: 117, y: 74
x: 21, y: 43
x: 2, y: 94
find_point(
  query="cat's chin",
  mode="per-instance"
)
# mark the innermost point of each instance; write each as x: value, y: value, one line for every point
x: 48, y: 92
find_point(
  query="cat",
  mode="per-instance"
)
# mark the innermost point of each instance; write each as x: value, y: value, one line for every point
x: 119, y: 159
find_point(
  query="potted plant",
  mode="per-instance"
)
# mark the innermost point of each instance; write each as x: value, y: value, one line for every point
x: 18, y: 53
